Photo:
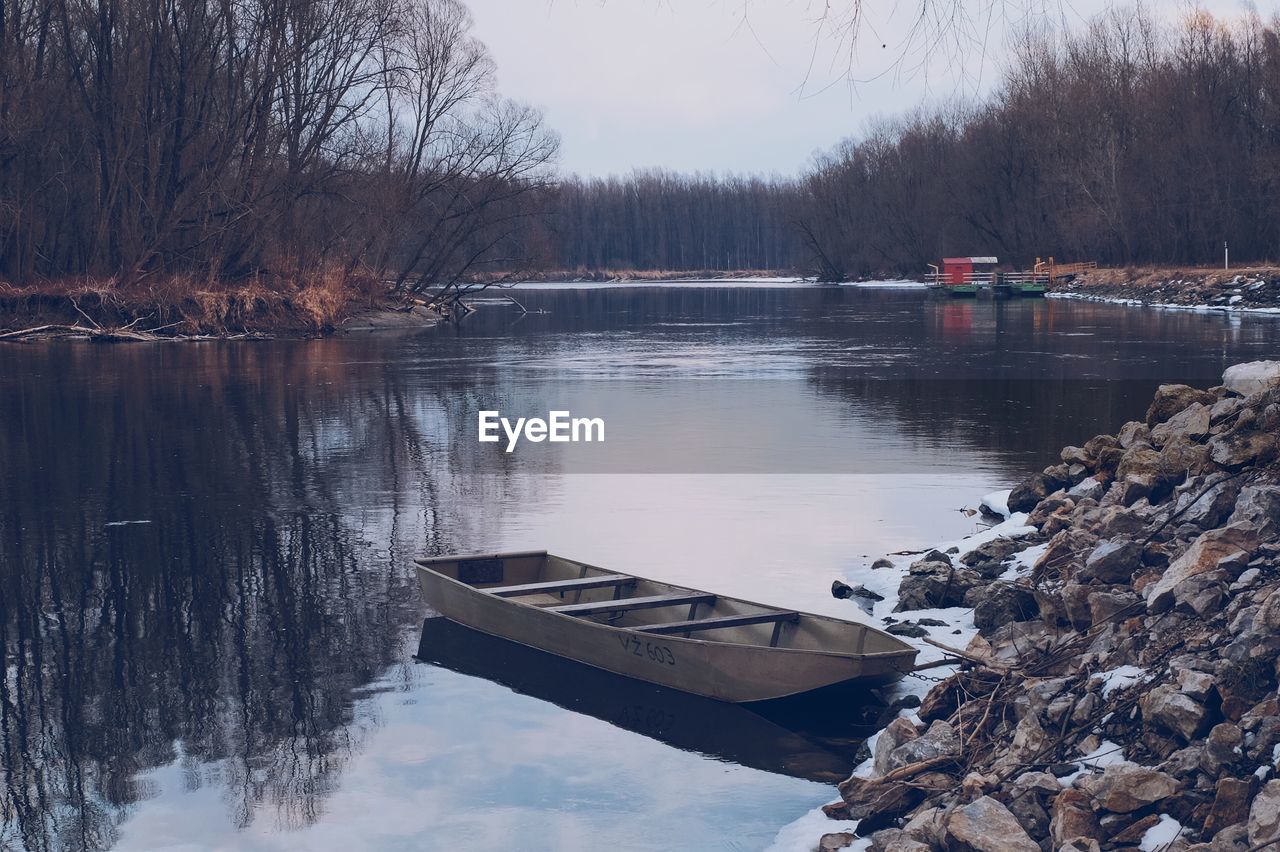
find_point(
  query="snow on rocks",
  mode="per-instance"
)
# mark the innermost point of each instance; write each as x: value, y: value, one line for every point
x: 1116, y: 680
x: 1251, y: 378
x: 1161, y: 835
x: 1256, y: 291
x: 1121, y: 677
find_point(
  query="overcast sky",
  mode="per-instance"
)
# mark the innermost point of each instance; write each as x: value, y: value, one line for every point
x: 726, y: 85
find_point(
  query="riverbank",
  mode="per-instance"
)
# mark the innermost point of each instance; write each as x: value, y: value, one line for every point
x: 624, y: 276
x: 1254, y: 289
x: 181, y: 308
x: 1119, y: 684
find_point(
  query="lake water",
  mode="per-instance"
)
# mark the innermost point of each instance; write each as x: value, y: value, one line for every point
x: 207, y: 603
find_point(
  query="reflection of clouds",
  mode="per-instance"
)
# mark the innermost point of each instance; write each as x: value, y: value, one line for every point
x: 773, y: 538
x: 459, y: 762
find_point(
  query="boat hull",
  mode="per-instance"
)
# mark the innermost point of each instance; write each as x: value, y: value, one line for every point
x: 723, y: 671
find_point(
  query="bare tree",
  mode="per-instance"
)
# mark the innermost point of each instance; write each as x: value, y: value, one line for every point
x: 234, y: 138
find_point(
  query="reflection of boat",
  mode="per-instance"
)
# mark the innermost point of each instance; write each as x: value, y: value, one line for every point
x: 646, y: 629
x: 724, y: 731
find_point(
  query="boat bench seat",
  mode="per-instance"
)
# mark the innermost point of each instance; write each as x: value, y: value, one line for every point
x: 580, y: 584
x: 717, y: 622
x: 624, y: 604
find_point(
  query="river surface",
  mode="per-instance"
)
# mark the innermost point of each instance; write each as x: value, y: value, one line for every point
x: 207, y: 603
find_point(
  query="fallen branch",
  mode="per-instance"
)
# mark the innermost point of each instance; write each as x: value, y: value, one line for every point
x: 973, y: 658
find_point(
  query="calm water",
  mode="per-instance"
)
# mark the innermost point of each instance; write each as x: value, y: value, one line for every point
x: 209, y: 617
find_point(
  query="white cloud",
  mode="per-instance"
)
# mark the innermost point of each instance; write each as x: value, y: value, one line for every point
x: 714, y: 85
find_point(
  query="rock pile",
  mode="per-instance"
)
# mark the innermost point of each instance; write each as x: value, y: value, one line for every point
x: 1250, y: 289
x: 1122, y: 690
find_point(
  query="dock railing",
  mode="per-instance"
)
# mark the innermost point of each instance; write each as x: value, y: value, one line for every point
x: 1023, y: 278
x: 943, y: 279
x: 1063, y: 270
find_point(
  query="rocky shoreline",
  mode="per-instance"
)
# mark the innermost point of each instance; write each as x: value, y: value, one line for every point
x: 1247, y: 290
x: 1120, y: 687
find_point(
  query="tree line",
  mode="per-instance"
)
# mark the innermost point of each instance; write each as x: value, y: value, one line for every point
x: 661, y: 220
x: 224, y: 139
x: 1135, y: 140
x: 1131, y: 141
x: 234, y: 138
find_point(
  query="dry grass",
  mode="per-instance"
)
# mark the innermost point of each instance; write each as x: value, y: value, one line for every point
x: 1144, y: 276
x: 184, y: 304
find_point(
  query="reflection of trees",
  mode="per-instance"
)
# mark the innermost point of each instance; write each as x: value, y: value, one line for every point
x: 1005, y: 379
x: 1016, y: 380
x: 232, y: 630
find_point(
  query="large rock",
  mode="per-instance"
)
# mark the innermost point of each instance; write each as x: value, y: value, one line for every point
x: 895, y: 840
x: 1125, y: 787
x: 876, y: 802
x: 1252, y: 377
x: 1264, y: 816
x: 1145, y: 472
x: 1000, y: 603
x: 1112, y: 562
x: 996, y: 550
x: 1230, y: 805
x: 1071, y: 816
x: 985, y: 825
x: 1026, y: 494
x: 1133, y: 434
x: 1223, y: 749
x: 1182, y: 457
x: 927, y: 826
x: 896, y: 733
x: 1168, y: 708
x: 1171, y: 399
x: 935, y: 584
x: 1242, y: 447
x: 1062, y: 551
x: 1259, y: 505
x: 1192, y: 422
x: 1075, y: 605
x: 941, y: 740
x: 1207, y: 505
x: 835, y: 840
x: 1201, y: 557
x: 1118, y: 521
x: 1105, y: 604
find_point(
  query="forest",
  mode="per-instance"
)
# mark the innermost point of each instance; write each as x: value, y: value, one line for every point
x: 320, y: 141
x: 1135, y: 140
x: 174, y: 143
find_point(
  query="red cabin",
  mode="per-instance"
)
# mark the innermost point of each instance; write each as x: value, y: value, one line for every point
x: 959, y: 270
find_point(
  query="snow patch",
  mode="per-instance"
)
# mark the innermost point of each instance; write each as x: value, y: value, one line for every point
x: 1122, y: 677
x: 802, y: 835
x: 1024, y: 561
x: 892, y: 284
x: 1138, y: 303
x: 998, y: 502
x: 1107, y: 754
x: 1160, y: 835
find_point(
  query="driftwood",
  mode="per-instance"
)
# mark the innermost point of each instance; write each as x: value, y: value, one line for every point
x: 973, y: 658
x: 113, y: 335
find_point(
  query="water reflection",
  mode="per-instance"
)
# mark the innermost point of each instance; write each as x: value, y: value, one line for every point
x: 797, y: 739
x: 258, y: 589
x: 219, y: 650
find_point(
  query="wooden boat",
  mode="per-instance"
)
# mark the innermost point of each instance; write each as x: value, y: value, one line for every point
x: 707, y: 644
